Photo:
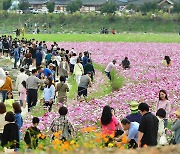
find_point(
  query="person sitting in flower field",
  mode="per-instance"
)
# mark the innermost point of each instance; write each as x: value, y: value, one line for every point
x: 62, y: 124
x: 167, y: 61
x: 125, y: 63
x: 135, y: 116
x: 33, y: 134
x: 109, y: 122
x: 131, y: 131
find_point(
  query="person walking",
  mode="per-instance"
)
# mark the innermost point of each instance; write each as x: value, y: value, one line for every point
x: 109, y: 68
x: 20, y: 78
x: 8, y: 86
x: 89, y: 68
x: 49, y: 94
x: 16, y: 56
x: 39, y: 57
x: 148, y: 128
x: 78, y: 71
x: 64, y: 68
x: 85, y: 81
x: 62, y: 89
x: 32, y: 86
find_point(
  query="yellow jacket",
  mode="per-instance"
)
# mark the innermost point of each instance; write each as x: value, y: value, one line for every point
x: 78, y: 69
x: 7, y: 85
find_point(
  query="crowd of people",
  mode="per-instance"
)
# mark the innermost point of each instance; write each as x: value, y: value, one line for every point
x: 42, y: 78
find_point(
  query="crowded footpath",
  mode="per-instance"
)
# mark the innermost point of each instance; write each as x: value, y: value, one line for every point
x: 42, y: 79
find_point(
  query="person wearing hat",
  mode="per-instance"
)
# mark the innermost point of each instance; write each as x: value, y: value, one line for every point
x: 176, y: 127
x: 135, y: 116
x: 8, y: 86
x: 109, y: 68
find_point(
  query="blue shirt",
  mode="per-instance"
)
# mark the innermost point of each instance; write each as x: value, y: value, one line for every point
x: 134, y: 117
x: 133, y: 131
x: 47, y: 72
x: 18, y: 120
x: 85, y: 60
x: 16, y: 53
x: 39, y: 57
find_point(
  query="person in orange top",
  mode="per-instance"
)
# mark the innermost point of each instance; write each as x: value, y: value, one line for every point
x: 8, y: 86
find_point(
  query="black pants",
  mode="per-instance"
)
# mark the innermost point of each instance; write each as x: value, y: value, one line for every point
x: 71, y: 68
x: 132, y: 144
x: 108, y: 75
x: 31, y: 98
x: 82, y: 91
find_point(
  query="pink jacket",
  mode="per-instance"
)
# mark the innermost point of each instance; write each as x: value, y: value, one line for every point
x: 110, y: 128
x: 23, y: 94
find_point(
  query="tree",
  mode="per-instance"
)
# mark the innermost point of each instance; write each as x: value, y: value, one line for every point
x: 176, y: 8
x: 74, y: 6
x: 109, y: 7
x: 149, y: 6
x: 24, y: 5
x: 50, y: 6
x: 6, y: 4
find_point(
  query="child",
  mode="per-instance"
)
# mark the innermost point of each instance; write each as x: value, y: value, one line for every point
x: 9, y: 101
x: 23, y: 95
x: 18, y: 117
x: 32, y: 133
x: 10, y: 136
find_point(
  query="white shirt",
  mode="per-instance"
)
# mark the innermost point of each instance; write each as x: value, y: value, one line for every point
x: 109, y: 67
x: 2, y: 122
x: 20, y: 78
x: 73, y: 60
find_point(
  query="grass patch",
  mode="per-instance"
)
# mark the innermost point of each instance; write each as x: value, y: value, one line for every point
x: 38, y: 111
x: 116, y: 81
x: 105, y: 89
x: 73, y: 87
x: 124, y: 37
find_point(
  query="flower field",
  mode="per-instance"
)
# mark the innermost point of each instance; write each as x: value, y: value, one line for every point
x: 143, y: 81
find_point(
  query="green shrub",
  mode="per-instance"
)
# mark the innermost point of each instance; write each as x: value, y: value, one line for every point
x: 117, y: 81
